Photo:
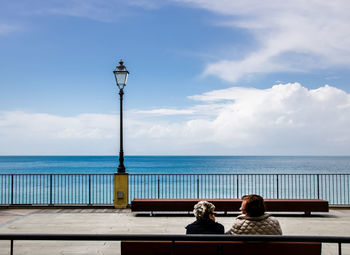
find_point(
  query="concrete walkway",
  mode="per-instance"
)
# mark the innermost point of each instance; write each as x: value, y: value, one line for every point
x: 114, y: 221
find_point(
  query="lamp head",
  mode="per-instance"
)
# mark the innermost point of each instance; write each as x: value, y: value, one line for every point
x: 121, y: 75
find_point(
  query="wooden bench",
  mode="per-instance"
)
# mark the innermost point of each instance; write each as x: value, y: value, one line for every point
x: 229, y: 205
x: 219, y: 247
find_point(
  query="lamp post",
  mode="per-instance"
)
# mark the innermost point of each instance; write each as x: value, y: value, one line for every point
x: 121, y: 76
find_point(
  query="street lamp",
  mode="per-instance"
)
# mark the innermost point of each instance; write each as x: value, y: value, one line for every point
x: 121, y: 76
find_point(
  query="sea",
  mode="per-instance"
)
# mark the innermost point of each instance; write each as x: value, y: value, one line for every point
x: 176, y: 164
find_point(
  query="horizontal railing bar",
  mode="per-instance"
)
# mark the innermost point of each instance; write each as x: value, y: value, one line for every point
x: 304, y: 174
x: 52, y: 174
x: 177, y: 237
x: 161, y: 174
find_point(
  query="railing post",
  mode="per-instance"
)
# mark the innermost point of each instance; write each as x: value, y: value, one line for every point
x: 12, y: 189
x: 277, y: 186
x: 11, y: 247
x: 50, y: 189
x: 197, y: 187
x: 339, y: 248
x: 158, y: 188
x: 318, y: 186
x: 89, y: 189
x: 121, y: 190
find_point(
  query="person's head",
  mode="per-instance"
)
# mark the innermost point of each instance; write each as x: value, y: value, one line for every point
x: 253, y: 205
x: 204, y: 210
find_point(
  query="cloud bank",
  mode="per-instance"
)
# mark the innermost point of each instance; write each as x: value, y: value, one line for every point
x: 286, y: 119
x: 292, y: 36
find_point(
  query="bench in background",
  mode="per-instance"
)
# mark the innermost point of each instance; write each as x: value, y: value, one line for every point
x: 229, y: 205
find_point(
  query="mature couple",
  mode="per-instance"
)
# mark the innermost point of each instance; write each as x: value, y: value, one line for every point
x: 252, y: 221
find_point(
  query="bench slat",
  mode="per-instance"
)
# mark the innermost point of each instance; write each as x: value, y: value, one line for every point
x: 146, y: 247
x: 219, y: 247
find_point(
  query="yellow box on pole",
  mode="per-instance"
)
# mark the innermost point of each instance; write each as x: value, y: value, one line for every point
x: 121, y: 190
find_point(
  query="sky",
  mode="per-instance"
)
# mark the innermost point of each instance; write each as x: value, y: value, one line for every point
x: 243, y: 77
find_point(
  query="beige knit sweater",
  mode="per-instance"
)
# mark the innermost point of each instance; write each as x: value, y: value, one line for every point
x: 262, y: 225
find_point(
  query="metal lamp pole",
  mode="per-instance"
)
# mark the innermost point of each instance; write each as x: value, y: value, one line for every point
x: 121, y: 76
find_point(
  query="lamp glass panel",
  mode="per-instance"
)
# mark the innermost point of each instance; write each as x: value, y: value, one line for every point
x: 121, y: 77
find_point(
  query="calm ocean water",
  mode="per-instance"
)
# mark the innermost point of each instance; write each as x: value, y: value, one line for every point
x: 175, y: 164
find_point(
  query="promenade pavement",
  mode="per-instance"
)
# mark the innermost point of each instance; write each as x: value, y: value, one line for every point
x: 114, y: 221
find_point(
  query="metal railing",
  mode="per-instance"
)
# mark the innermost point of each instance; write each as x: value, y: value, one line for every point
x: 97, y: 189
x: 56, y: 189
x: 156, y: 237
x: 334, y: 188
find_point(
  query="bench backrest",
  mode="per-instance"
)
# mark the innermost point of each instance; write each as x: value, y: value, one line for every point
x: 230, y: 205
x: 219, y: 248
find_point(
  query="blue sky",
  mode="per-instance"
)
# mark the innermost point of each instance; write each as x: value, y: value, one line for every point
x: 206, y: 77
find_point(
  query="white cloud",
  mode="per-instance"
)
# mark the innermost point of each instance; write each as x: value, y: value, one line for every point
x: 293, y: 36
x: 286, y: 119
x: 225, y: 94
x: 102, y: 10
x: 84, y: 126
x: 96, y: 10
x: 45, y: 134
x: 7, y: 28
x: 165, y: 111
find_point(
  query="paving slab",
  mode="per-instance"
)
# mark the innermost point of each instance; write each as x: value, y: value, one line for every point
x: 117, y: 221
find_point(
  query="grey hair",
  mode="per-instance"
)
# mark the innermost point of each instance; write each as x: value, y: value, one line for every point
x: 203, y: 209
